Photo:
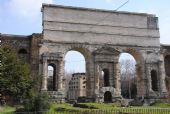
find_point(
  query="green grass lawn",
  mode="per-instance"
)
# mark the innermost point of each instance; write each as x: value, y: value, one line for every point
x: 95, y: 108
x: 161, y: 105
x: 63, y: 107
x: 103, y: 106
x: 109, y: 108
x: 92, y: 106
x: 7, y: 109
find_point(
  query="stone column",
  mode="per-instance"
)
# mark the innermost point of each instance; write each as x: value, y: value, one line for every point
x: 44, y: 74
x: 141, y: 79
x: 90, y: 71
x: 97, y: 81
x: 97, y: 77
x: 163, y: 89
x: 88, y: 91
x: 60, y: 73
x: 117, y: 78
x: 148, y: 77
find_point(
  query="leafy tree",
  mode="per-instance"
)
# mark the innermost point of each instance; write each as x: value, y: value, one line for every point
x: 14, y: 74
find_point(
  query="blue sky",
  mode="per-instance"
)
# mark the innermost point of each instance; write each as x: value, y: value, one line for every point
x: 23, y: 17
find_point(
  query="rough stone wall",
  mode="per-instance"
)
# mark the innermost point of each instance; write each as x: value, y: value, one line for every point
x: 18, y: 42
x: 34, y: 56
x: 29, y: 43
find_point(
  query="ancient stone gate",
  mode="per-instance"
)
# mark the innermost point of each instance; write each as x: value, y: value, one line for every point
x: 101, y: 36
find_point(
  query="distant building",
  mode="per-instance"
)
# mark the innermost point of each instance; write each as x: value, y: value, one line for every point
x: 77, y: 86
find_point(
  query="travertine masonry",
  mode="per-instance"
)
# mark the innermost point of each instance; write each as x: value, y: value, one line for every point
x: 101, y: 36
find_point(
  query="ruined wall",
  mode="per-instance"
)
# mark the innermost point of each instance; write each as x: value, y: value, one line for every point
x: 34, y: 56
x: 27, y: 48
x: 19, y: 43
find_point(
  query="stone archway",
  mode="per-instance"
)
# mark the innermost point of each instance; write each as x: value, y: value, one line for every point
x: 107, y: 97
x: 104, y: 43
x: 107, y: 76
x: 51, y: 79
x: 128, y: 75
x: 84, y: 50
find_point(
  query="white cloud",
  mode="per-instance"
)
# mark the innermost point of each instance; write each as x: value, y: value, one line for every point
x: 26, y: 8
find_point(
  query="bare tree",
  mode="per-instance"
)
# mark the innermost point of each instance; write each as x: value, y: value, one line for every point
x: 128, y: 79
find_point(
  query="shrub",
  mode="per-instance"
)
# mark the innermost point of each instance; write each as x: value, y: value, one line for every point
x: 38, y: 102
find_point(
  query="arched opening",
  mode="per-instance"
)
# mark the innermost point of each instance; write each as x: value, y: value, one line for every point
x: 74, y: 62
x: 51, y: 80
x: 105, y: 75
x: 128, y: 75
x: 23, y: 54
x: 154, y: 80
x: 75, y: 69
x: 107, y: 97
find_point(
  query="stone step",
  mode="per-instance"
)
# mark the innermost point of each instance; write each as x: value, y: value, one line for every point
x: 56, y: 96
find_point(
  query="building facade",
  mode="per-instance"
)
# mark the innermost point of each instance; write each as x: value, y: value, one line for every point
x: 101, y: 36
x: 77, y: 86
